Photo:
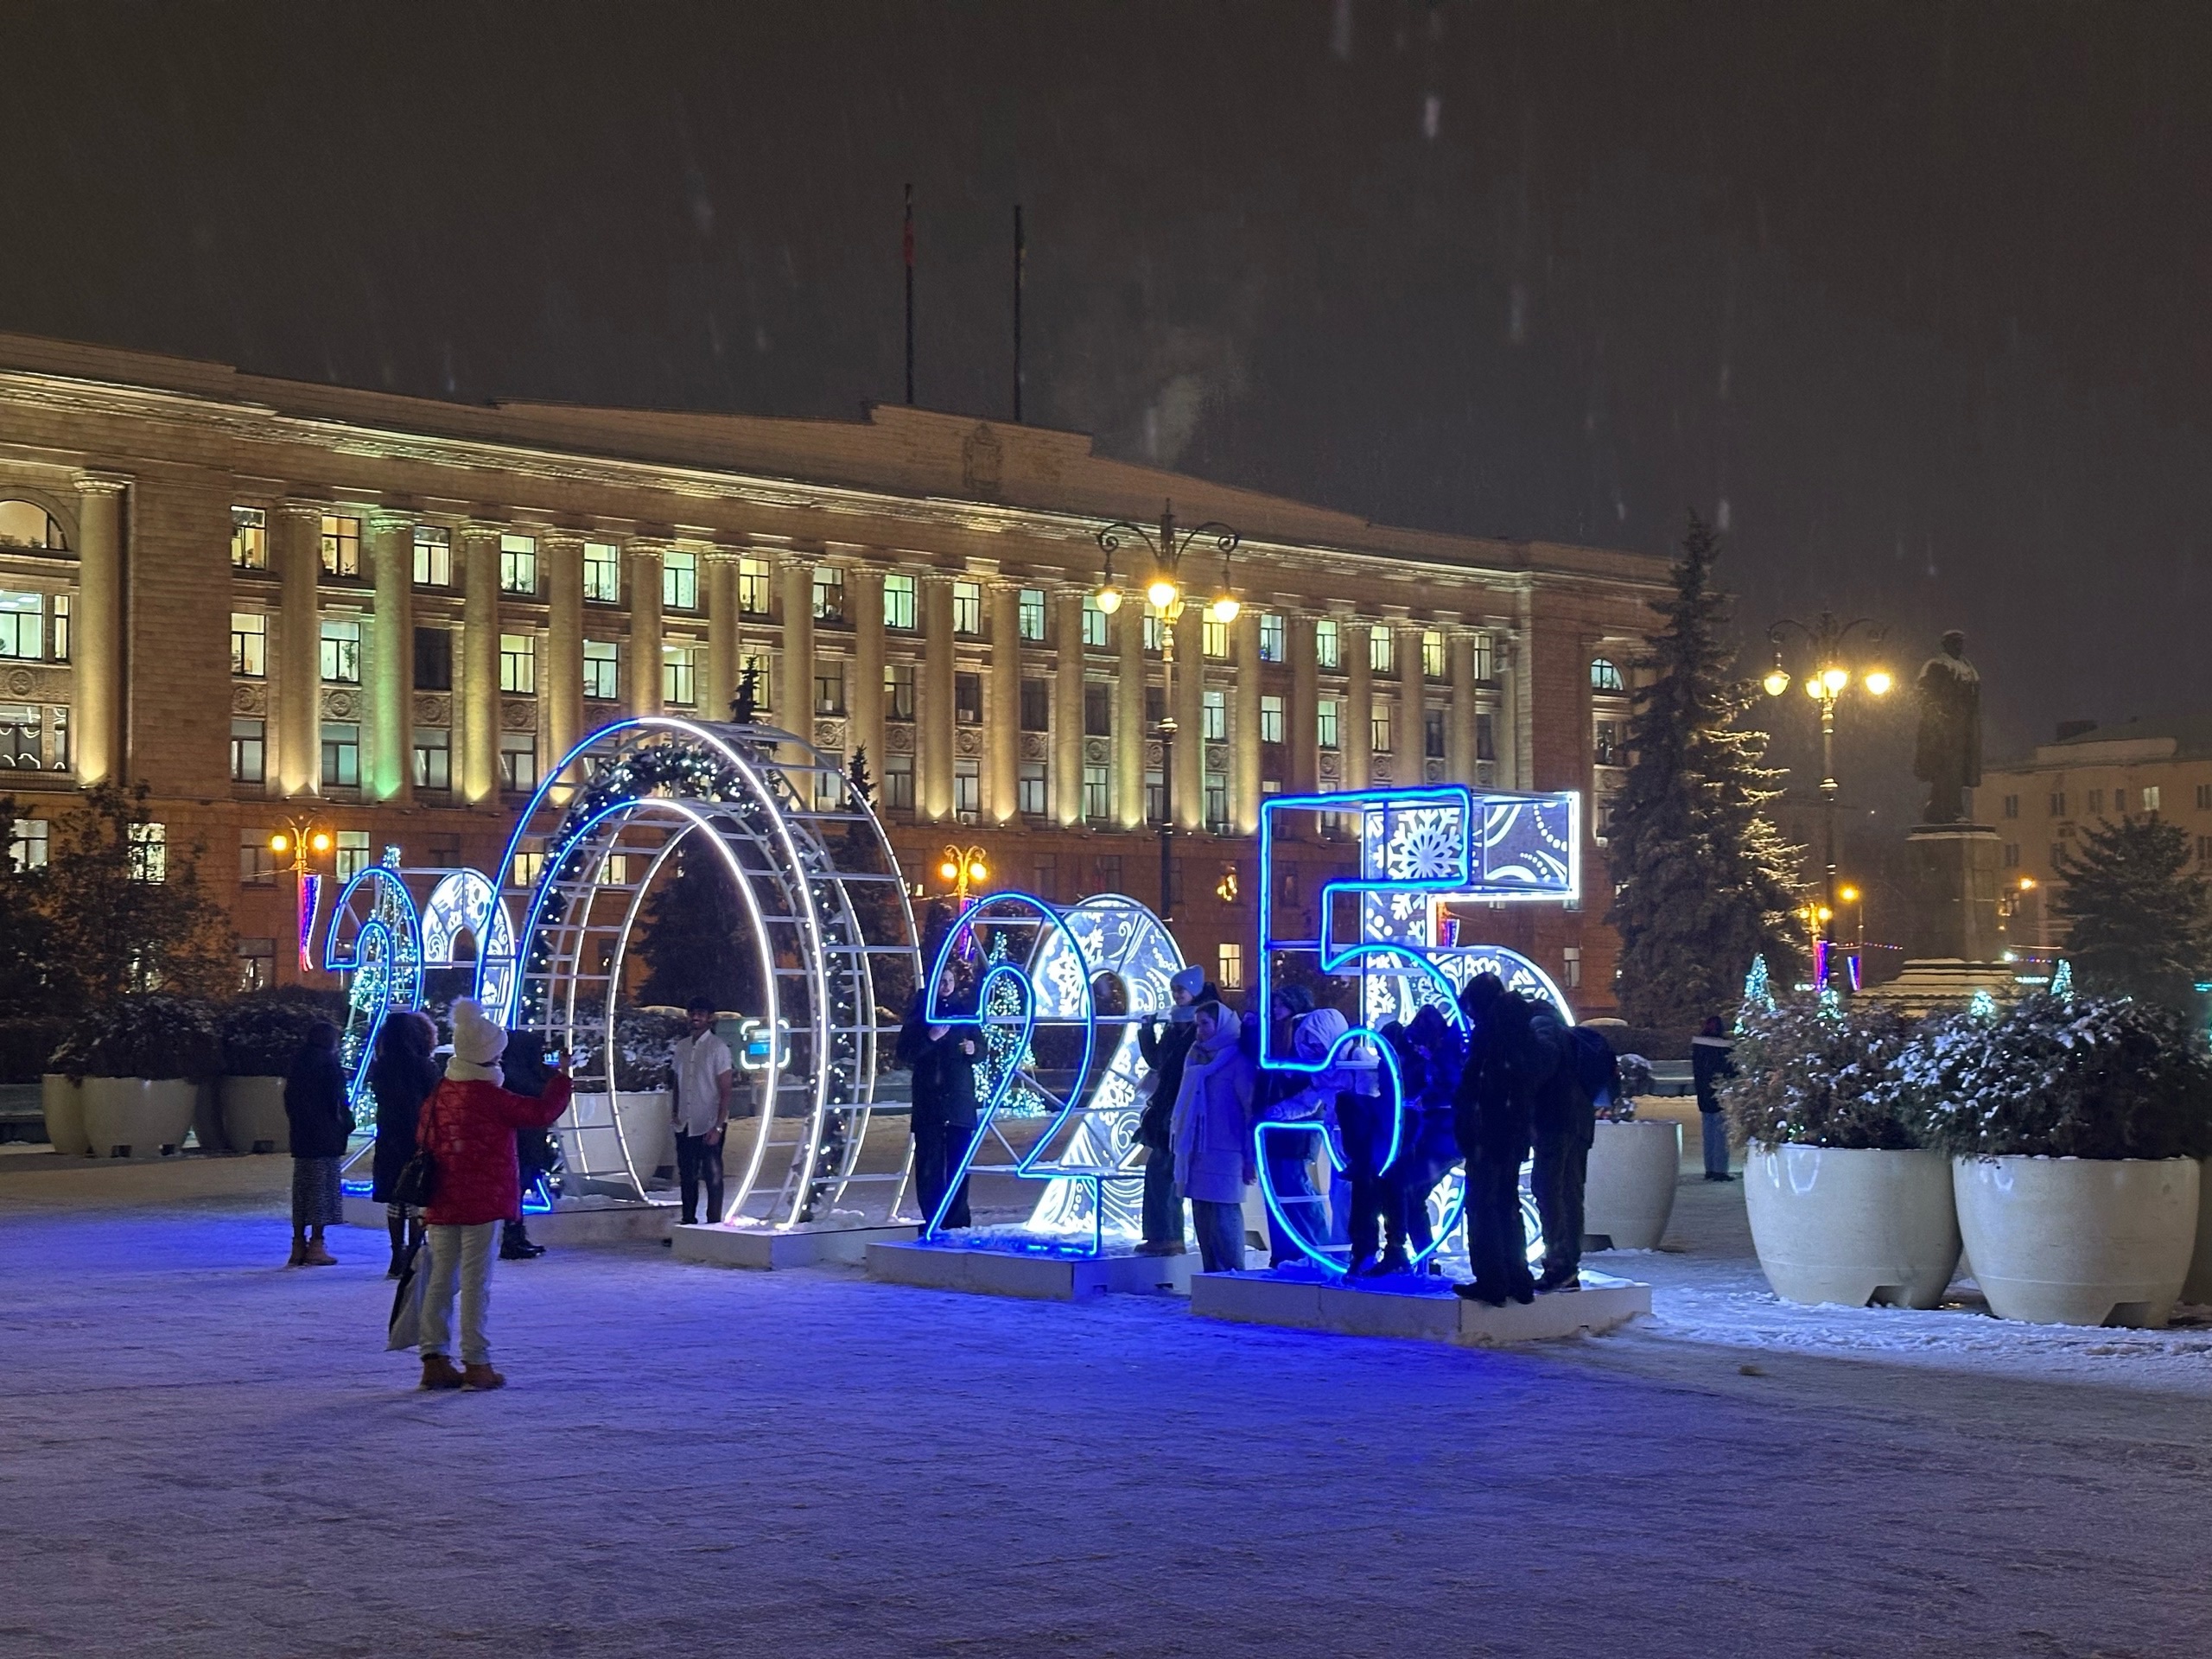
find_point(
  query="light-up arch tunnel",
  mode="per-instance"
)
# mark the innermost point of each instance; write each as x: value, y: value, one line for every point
x: 827, y: 937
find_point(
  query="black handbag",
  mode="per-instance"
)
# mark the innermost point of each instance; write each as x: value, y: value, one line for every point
x: 416, y: 1184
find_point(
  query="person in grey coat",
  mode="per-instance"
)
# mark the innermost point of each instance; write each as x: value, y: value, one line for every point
x: 1211, y: 1131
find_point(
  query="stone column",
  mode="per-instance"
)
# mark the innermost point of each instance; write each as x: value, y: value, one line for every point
x: 722, y: 635
x: 933, y: 718
x: 1244, y: 724
x: 1188, y: 706
x: 1354, y: 736
x: 794, y: 693
x: 864, y: 592
x: 644, y: 560
x: 1304, y: 771
x: 1459, y: 766
x: 1128, y: 712
x: 1067, y: 705
x: 561, y: 675
x: 1516, y: 746
x: 477, y: 703
x: 1002, y: 712
x: 96, y: 631
x: 297, y: 677
x: 388, y: 774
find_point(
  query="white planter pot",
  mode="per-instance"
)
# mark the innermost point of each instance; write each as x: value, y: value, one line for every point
x: 253, y: 1115
x: 207, y: 1117
x: 2197, y: 1287
x: 2079, y: 1240
x: 1630, y: 1194
x: 148, y: 1117
x: 63, y: 1102
x: 591, y: 1146
x: 1853, y: 1226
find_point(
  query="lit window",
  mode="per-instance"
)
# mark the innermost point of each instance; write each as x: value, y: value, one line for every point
x: 342, y: 651
x: 1271, y: 720
x: 2152, y: 795
x: 341, y: 546
x: 518, y: 564
x: 1213, y: 638
x: 899, y: 602
x: 968, y: 609
x: 433, y: 557
x: 524, y: 869
x: 968, y: 699
x: 518, y: 664
x: 1029, y: 789
x: 150, y: 852
x: 602, y: 669
x: 753, y: 578
x: 1097, y: 795
x: 899, y: 691
x: 1155, y: 798
x: 1328, y: 644
x: 1485, y: 667
x: 341, y: 755
x: 21, y: 728
x: 1605, y: 747
x: 22, y: 625
x: 1155, y: 629
x: 1271, y: 637
x: 602, y: 573
x: 1229, y: 967
x: 1215, y: 724
x: 829, y: 690
x: 967, y: 790
x: 61, y: 627
x: 518, y: 761
x: 1324, y: 722
x: 1605, y: 676
x: 249, y: 539
x: 1571, y: 961
x: 353, y: 854
x: 25, y: 524
x: 27, y: 844
x: 1381, y: 725
x: 829, y: 593
x: 1031, y: 611
x: 679, y: 580
x: 257, y: 963
x: 899, y: 782
x: 1216, y: 803
x: 1094, y: 635
x: 679, y: 675
x: 1433, y: 663
x: 249, y: 750
x: 249, y: 644
x: 432, y: 758
x: 1383, y: 648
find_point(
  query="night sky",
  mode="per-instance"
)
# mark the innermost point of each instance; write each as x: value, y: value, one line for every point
x: 1912, y: 299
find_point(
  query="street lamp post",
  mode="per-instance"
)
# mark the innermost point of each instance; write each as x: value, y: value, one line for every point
x: 1830, y: 641
x: 1164, y: 592
x: 303, y: 840
x: 960, y: 865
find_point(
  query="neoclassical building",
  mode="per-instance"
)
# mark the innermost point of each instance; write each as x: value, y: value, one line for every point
x: 277, y: 602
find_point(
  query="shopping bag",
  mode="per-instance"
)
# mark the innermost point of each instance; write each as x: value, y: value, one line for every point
x: 405, y: 1329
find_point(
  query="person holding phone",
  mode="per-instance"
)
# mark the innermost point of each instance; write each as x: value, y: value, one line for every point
x: 942, y: 1120
x: 701, y: 1110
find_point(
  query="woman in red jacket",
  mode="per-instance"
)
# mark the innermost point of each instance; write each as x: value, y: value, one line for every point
x: 468, y: 1127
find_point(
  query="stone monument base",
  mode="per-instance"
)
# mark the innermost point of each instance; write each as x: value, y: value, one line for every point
x: 1953, y: 947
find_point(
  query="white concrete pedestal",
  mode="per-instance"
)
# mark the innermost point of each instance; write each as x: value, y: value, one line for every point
x: 585, y: 1224
x: 1423, y: 1310
x: 736, y: 1244
x: 1038, y: 1274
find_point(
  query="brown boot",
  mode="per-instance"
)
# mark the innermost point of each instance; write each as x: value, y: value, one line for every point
x: 317, y: 1256
x: 299, y: 1257
x: 482, y: 1377
x: 439, y: 1372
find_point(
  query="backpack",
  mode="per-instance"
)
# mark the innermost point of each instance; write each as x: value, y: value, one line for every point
x: 1596, y: 1067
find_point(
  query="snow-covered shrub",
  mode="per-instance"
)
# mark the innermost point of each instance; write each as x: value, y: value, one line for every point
x: 1816, y: 1071
x: 155, y: 1035
x: 2062, y: 1078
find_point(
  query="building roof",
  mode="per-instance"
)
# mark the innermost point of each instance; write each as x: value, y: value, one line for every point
x: 2122, y: 743
x: 921, y: 453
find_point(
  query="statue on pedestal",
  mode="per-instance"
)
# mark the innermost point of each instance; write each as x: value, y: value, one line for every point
x: 1947, y: 757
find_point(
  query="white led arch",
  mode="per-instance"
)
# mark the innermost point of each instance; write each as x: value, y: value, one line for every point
x: 828, y: 932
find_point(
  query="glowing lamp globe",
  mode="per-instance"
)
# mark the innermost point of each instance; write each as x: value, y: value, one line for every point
x: 1777, y: 682
x: 321, y: 842
x: 978, y: 871
x: 949, y: 870
x: 280, y: 843
x: 1815, y: 687
x: 1880, y: 682
x: 1835, y: 678
x: 1162, y: 592
x: 1109, y: 598
x: 1226, y: 607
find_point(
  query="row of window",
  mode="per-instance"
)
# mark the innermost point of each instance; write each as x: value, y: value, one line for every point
x: 340, y: 765
x: 2148, y: 799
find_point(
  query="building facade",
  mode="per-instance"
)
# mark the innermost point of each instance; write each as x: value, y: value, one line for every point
x: 275, y: 601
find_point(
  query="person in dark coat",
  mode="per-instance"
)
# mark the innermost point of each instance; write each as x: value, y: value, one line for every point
x: 942, y: 1059
x: 1712, y: 1059
x: 401, y: 1077
x: 1163, y: 1049
x: 1493, y: 1115
x: 1565, y: 1120
x: 1377, y: 1226
x: 320, y: 1119
x: 524, y: 1063
x: 1432, y: 1149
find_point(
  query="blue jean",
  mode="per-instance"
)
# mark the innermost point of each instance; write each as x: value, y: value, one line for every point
x: 1162, y: 1209
x: 1220, y: 1228
x: 1715, y: 1127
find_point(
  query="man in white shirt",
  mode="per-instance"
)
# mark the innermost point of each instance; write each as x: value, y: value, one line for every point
x: 703, y: 1079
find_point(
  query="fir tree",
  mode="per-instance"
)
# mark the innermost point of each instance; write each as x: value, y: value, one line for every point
x: 1703, y: 880
x: 23, y: 930
x: 2139, y: 922
x: 694, y: 938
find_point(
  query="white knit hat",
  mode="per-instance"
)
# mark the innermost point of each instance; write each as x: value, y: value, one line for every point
x: 477, y: 1039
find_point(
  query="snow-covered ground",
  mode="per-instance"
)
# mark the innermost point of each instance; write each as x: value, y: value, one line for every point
x: 204, y: 1453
